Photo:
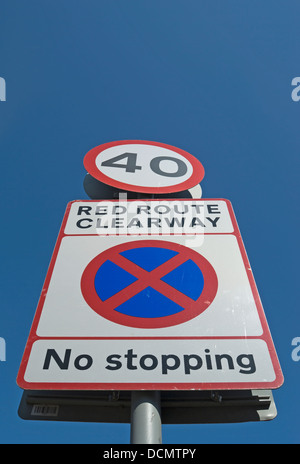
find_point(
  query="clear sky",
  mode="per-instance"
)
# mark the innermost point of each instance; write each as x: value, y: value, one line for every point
x: 212, y: 78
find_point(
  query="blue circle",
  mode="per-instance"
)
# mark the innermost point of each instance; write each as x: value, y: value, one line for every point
x: 187, y: 278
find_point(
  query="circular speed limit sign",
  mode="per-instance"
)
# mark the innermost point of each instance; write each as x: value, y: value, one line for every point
x: 142, y: 166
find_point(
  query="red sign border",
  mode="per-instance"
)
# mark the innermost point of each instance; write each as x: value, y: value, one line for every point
x: 266, y: 335
x: 90, y: 165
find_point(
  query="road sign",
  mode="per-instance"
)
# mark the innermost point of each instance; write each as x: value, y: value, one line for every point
x: 144, y: 166
x: 155, y: 295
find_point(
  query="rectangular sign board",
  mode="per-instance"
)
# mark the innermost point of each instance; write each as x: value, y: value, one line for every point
x: 149, y: 294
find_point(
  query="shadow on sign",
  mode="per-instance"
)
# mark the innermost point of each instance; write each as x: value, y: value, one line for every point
x: 97, y: 190
x: 177, y: 407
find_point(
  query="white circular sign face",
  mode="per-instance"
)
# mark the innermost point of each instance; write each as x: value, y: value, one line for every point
x: 142, y: 166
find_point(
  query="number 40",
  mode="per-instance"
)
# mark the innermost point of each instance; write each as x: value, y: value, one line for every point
x: 131, y: 164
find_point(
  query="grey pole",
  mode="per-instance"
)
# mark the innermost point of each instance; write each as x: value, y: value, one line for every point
x: 145, y: 418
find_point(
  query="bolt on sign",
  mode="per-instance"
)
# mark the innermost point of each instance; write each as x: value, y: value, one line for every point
x: 149, y: 294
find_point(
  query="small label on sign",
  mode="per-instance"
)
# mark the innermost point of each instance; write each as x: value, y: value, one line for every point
x: 45, y: 410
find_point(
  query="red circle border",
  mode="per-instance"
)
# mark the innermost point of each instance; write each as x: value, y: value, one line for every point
x: 89, y: 163
x: 195, y: 308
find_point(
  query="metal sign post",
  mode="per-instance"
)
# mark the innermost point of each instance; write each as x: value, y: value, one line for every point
x: 145, y: 418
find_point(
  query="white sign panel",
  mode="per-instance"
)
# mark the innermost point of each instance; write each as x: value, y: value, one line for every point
x: 149, y: 295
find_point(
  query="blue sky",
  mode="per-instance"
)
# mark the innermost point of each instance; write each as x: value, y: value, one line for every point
x: 212, y: 78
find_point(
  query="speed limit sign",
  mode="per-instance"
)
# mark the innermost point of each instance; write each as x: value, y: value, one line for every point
x: 143, y: 166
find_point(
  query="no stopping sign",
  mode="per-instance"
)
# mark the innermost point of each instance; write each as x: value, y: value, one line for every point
x: 149, y: 284
x: 143, y: 166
